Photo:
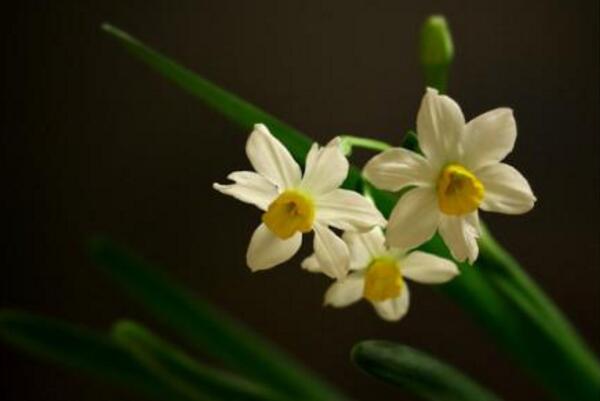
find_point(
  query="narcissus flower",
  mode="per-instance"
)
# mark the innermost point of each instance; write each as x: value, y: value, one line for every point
x: 295, y: 204
x: 378, y: 273
x: 460, y: 172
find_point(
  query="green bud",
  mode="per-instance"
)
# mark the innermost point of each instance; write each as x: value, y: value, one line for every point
x: 436, y: 42
x: 436, y: 51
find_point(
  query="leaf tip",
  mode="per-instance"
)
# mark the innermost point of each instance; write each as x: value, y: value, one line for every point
x: 116, y: 32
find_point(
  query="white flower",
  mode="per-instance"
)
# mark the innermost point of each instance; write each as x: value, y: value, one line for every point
x: 296, y: 204
x: 461, y: 171
x: 378, y: 274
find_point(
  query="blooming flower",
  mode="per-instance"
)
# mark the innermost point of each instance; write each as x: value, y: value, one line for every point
x: 460, y: 172
x: 378, y: 274
x: 295, y: 204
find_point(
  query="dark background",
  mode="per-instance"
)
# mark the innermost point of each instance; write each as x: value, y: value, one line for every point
x: 92, y: 141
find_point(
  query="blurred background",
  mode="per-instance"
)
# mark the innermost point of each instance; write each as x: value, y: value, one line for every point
x: 93, y: 141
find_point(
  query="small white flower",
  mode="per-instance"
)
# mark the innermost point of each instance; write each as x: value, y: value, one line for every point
x: 460, y: 173
x: 378, y: 274
x: 296, y: 204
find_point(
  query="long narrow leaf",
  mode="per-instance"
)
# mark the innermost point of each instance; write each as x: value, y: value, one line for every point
x: 81, y: 350
x: 209, y: 327
x: 474, y: 289
x: 234, y: 108
x: 556, y: 358
x: 192, y: 378
x: 417, y: 372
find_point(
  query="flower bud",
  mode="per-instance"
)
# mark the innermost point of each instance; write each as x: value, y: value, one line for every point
x: 436, y: 42
x: 436, y: 52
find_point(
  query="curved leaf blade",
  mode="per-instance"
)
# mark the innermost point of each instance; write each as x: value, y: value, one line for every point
x: 80, y: 349
x: 208, y: 327
x: 183, y: 373
x: 231, y: 106
x: 417, y: 372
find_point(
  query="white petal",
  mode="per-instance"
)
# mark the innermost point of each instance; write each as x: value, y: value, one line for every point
x: 266, y: 250
x: 394, y: 309
x: 312, y: 155
x: 439, y: 127
x: 326, y: 168
x: 249, y: 187
x: 347, y: 210
x: 426, y: 268
x: 488, y: 138
x: 414, y: 219
x: 345, y: 291
x: 364, y: 247
x: 331, y: 252
x: 460, y: 234
x: 271, y: 159
x: 505, y: 190
x: 396, y: 168
x: 311, y: 264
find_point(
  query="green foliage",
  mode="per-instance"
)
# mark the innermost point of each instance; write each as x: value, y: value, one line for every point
x: 417, y: 372
x: 207, y: 327
x: 231, y: 106
x: 182, y: 373
x: 81, y: 350
x: 496, y: 292
x: 478, y: 289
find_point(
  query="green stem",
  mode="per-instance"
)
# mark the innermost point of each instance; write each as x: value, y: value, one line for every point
x: 551, y: 327
x: 349, y: 142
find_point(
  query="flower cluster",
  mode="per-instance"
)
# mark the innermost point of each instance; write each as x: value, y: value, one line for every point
x: 459, y: 172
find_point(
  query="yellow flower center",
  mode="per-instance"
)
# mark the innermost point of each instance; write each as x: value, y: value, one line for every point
x: 458, y: 190
x: 383, y: 280
x: 291, y: 212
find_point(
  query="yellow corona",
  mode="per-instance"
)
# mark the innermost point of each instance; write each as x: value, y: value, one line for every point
x: 290, y: 212
x: 459, y: 191
x: 383, y: 280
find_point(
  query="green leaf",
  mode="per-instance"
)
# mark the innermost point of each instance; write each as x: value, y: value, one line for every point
x: 411, y: 142
x: 208, y: 327
x: 81, y: 350
x: 559, y: 359
x: 549, y: 343
x: 475, y: 289
x: 231, y: 106
x: 183, y: 373
x: 417, y: 372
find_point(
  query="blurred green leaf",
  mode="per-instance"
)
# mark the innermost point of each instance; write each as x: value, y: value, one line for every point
x: 417, y: 372
x: 183, y: 373
x: 475, y: 289
x: 81, y: 350
x: 209, y: 328
x: 559, y: 359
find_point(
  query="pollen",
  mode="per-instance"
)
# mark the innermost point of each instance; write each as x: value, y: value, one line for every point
x: 291, y: 212
x: 383, y: 280
x: 459, y: 191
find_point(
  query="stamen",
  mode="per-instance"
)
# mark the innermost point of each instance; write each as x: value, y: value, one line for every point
x: 383, y: 280
x: 291, y: 212
x: 459, y: 191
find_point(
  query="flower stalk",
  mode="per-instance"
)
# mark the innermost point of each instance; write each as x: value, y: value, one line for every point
x: 348, y: 142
